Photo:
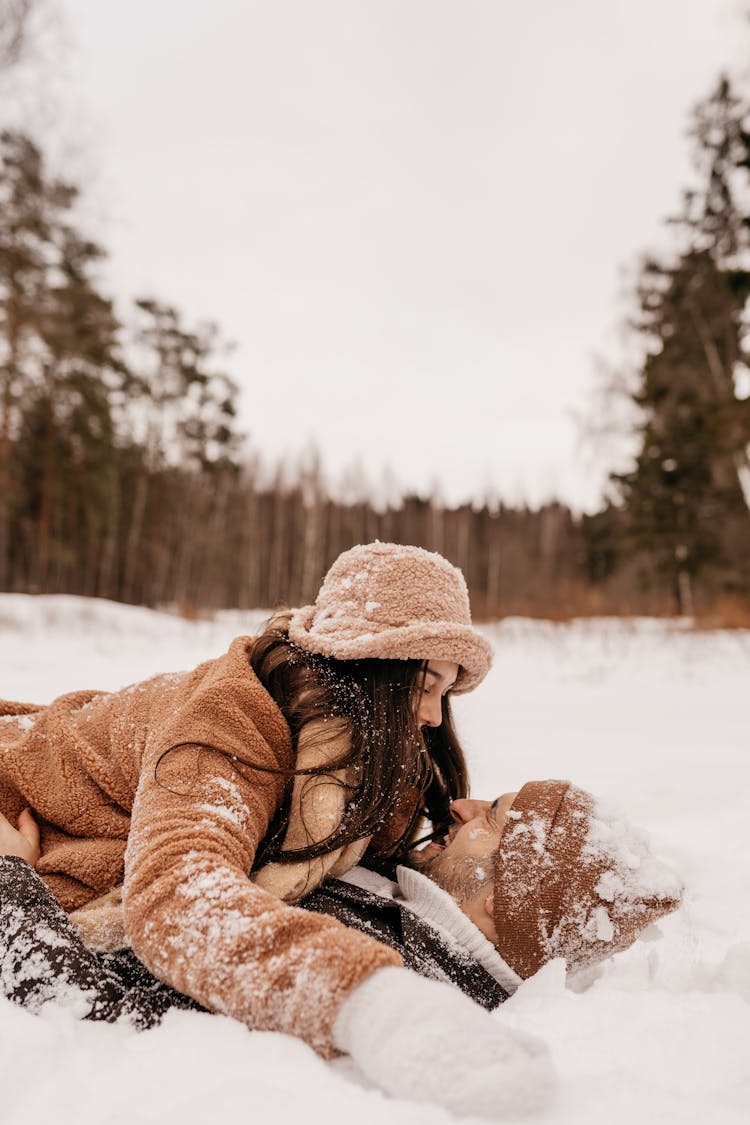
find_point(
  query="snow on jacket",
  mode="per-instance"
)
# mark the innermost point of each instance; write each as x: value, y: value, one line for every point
x: 183, y: 828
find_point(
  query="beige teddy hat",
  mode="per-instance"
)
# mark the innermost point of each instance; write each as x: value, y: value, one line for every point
x: 394, y: 602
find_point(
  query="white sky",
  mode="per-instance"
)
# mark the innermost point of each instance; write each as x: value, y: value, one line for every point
x: 412, y: 216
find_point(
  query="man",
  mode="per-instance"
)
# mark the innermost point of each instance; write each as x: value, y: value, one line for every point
x: 546, y: 872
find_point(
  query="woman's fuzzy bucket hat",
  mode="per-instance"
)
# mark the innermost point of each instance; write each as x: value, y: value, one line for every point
x: 394, y: 602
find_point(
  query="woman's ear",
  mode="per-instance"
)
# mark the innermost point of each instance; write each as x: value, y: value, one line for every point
x: 488, y: 905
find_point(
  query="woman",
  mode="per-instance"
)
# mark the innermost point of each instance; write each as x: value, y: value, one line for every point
x: 287, y: 758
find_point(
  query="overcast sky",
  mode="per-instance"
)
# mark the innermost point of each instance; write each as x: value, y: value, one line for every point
x: 412, y: 216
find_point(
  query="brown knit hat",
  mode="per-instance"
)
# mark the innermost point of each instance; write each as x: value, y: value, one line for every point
x: 394, y: 602
x: 573, y: 879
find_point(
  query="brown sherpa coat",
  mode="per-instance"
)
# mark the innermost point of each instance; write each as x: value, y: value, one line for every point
x: 184, y: 830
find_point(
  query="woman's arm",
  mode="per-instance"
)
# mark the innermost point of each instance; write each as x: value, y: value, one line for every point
x: 197, y: 921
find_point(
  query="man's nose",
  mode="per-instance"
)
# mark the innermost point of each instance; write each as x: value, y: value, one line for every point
x: 466, y: 808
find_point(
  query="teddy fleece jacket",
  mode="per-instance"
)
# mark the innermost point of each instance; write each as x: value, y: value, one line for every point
x: 127, y: 789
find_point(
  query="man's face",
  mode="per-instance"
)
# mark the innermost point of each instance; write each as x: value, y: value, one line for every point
x: 459, y: 862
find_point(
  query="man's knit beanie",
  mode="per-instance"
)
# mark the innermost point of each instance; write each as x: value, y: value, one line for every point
x: 394, y: 602
x: 573, y: 879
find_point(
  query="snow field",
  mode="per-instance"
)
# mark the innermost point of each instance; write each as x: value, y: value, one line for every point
x: 647, y: 713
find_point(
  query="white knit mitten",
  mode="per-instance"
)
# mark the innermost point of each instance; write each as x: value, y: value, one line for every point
x: 421, y: 1040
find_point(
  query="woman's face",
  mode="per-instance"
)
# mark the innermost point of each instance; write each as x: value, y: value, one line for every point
x: 439, y: 678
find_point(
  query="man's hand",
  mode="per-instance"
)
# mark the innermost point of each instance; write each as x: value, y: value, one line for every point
x: 425, y: 1041
x: 24, y: 841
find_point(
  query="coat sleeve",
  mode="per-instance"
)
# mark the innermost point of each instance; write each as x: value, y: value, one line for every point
x: 199, y: 924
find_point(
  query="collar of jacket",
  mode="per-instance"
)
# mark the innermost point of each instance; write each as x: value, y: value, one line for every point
x: 436, y: 907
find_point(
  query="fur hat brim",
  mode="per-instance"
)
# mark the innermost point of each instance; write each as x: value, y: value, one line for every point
x: 437, y: 640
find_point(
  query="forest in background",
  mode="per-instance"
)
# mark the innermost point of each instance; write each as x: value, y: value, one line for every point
x: 124, y: 473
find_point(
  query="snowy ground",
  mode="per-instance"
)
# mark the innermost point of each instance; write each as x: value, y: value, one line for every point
x: 651, y: 714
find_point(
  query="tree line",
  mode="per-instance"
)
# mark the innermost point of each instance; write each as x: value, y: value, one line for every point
x: 124, y: 473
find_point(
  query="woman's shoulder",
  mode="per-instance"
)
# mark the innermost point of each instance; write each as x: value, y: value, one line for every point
x: 222, y: 703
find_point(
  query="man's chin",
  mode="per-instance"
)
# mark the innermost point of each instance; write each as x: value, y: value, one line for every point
x: 422, y: 858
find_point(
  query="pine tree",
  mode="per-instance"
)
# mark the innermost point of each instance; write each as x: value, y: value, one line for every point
x: 190, y: 407
x: 183, y: 412
x: 687, y: 511
x: 61, y: 378
x: 29, y: 204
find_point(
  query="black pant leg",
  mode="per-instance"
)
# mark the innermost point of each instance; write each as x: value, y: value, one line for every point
x: 42, y: 958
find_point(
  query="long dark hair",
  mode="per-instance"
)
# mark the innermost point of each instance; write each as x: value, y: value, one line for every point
x: 386, y: 753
